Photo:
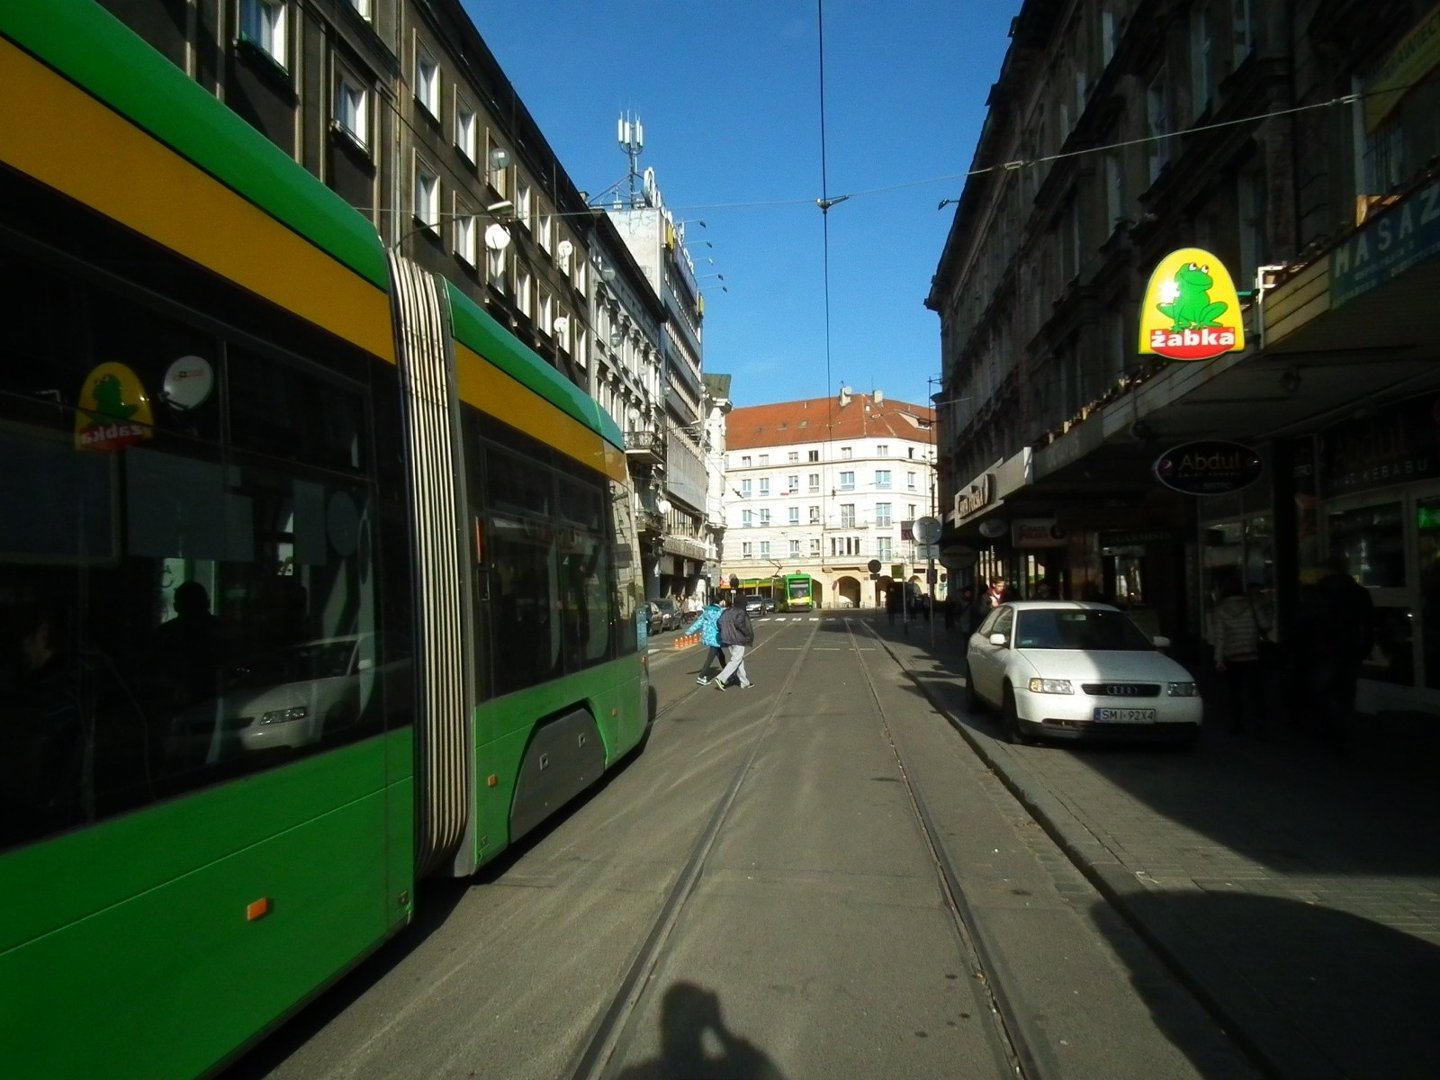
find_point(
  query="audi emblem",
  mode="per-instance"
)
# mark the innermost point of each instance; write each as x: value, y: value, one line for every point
x: 1122, y: 691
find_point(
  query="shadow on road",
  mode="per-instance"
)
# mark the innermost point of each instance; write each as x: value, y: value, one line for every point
x: 696, y: 1044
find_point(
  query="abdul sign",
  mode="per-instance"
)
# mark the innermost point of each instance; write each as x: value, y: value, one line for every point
x: 1191, y: 310
x: 1210, y: 467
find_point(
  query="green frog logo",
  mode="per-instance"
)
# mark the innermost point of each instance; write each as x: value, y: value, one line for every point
x: 113, y: 410
x: 1187, y: 300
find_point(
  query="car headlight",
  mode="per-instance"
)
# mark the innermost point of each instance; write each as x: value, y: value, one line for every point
x: 1051, y: 686
x: 1182, y: 689
x: 284, y: 716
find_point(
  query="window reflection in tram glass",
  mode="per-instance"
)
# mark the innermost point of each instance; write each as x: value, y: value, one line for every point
x: 1372, y: 538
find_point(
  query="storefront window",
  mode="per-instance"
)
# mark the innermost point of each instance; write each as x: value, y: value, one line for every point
x: 1372, y: 538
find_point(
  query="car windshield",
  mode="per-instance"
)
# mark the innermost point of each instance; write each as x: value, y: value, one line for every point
x: 1086, y: 629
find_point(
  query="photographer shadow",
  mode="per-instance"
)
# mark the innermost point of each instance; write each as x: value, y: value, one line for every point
x: 696, y: 1044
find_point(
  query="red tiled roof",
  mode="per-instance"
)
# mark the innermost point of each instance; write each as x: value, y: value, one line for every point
x: 820, y: 419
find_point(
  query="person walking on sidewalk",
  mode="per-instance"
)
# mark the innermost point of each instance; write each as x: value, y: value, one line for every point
x: 1236, y: 639
x: 707, y: 623
x: 1340, y: 622
x: 737, y: 635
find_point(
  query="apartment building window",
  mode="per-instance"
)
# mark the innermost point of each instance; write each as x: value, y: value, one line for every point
x: 764, y: 518
x: 882, y: 515
x: 847, y: 515
x: 792, y: 485
x: 847, y: 481
x: 467, y: 131
x: 812, y: 455
x: 882, y: 478
x: 882, y: 548
x: 793, y: 456
x: 814, y: 515
x: 745, y: 461
x: 765, y: 485
x: 427, y: 197
x: 524, y: 290
x: 882, y: 450
x: 910, y: 480
x: 794, y: 515
x: 496, y: 276
x: 845, y: 453
x: 1201, y: 58
x: 745, y: 489
x: 764, y: 460
x: 524, y: 204
x: 764, y: 549
x: 1242, y: 33
x: 747, y: 519
x: 362, y: 8
x: 465, y: 245
x: 545, y: 315
x: 352, y: 109
x: 815, y: 547
x: 1114, y: 192
x: 911, y: 509
x: 794, y: 551
x: 747, y: 550
x: 264, y: 23
x: 812, y: 483
x: 1157, y: 121
x: 845, y: 545
x: 427, y: 81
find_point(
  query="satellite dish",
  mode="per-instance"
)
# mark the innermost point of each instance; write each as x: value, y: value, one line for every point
x: 497, y: 237
x: 188, y: 383
x: 565, y: 249
x: 561, y: 324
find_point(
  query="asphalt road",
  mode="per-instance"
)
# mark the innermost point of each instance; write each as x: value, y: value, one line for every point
x: 813, y: 877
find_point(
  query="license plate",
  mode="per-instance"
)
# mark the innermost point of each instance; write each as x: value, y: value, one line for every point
x: 1124, y: 716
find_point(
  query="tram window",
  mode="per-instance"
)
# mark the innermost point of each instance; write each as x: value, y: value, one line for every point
x: 580, y: 504
x: 585, y: 599
x: 525, y: 600
x: 628, y: 586
x: 286, y: 409
x: 150, y: 345
x: 37, y: 308
x: 518, y: 484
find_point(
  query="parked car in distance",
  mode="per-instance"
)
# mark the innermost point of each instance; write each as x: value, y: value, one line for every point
x: 1065, y: 670
x: 667, y: 614
x: 759, y: 605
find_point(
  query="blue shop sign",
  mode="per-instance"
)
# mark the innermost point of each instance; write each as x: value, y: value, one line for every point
x: 1402, y: 236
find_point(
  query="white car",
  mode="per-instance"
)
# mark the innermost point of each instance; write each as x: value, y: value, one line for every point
x: 1066, y: 670
x: 294, y: 697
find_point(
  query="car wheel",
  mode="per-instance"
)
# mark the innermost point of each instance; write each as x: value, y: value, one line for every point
x: 1010, y: 721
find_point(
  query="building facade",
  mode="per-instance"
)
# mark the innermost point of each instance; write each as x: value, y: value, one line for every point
x: 400, y: 107
x: 1294, y: 144
x: 824, y: 487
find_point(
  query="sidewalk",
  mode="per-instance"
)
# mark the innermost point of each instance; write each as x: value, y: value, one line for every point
x: 1294, y: 890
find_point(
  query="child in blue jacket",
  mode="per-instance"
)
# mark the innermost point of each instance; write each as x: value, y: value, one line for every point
x: 708, y: 623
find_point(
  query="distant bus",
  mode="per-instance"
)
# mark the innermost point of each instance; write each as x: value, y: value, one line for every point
x: 797, y: 593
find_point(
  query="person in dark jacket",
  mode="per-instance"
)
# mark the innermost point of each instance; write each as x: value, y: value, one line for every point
x: 737, y: 635
x: 1340, y: 623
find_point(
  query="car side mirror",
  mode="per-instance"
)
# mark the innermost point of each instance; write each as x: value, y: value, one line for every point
x: 1161, y: 642
x: 998, y: 639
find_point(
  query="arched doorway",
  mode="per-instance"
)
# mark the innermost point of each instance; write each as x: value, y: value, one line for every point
x: 847, y: 592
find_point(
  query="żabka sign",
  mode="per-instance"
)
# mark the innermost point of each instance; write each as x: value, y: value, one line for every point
x: 1210, y: 467
x: 1191, y: 310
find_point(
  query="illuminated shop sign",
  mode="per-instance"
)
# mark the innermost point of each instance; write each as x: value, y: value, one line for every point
x: 1191, y: 310
x: 114, y: 410
x: 1209, y: 467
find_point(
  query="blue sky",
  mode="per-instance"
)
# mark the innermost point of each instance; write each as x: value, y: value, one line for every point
x: 729, y: 95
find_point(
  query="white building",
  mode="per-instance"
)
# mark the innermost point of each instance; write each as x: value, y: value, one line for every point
x: 824, y: 486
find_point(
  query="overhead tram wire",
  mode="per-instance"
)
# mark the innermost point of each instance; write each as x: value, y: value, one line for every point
x: 825, y: 202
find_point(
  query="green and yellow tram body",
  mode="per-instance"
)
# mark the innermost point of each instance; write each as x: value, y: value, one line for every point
x: 398, y: 549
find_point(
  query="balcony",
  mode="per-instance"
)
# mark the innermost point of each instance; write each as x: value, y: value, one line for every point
x: 645, y: 447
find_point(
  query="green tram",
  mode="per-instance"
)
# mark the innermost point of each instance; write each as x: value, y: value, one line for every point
x: 305, y: 565
x: 796, y: 592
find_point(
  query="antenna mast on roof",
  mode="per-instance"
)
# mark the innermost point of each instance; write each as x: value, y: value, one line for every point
x: 632, y: 140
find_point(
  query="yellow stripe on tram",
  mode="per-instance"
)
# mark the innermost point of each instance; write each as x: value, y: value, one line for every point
x: 492, y: 391
x: 66, y: 139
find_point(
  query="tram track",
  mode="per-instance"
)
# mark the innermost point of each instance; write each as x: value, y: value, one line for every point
x: 1003, y: 1003
x: 603, y: 1051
